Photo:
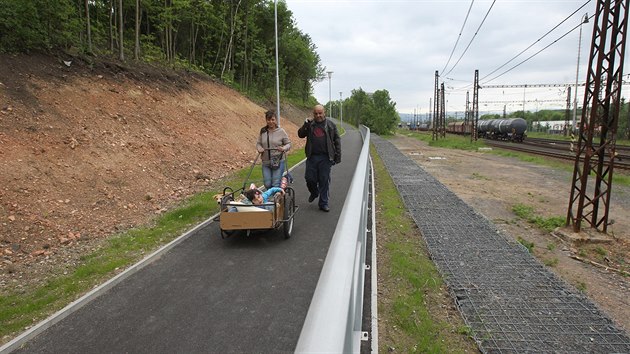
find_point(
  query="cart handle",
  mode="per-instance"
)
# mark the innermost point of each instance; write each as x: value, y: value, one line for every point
x: 250, y: 171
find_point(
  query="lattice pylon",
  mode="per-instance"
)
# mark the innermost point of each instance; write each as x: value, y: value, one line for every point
x: 600, y: 109
x: 474, y: 119
x: 435, y: 107
x: 567, y: 115
x: 442, y: 112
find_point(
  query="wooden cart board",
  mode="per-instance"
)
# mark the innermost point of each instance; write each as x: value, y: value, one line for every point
x: 250, y: 218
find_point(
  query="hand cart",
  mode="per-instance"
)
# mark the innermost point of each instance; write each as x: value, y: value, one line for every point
x: 238, y: 216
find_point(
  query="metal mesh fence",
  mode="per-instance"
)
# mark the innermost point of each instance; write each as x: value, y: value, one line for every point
x: 510, y: 301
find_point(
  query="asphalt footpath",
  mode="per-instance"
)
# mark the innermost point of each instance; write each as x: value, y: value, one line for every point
x: 208, y: 294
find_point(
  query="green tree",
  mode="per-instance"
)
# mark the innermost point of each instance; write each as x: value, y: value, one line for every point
x: 234, y: 40
x: 376, y: 111
x: 356, y: 106
x: 384, y: 115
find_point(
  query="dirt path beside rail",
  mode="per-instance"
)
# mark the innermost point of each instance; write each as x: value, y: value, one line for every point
x: 493, y: 185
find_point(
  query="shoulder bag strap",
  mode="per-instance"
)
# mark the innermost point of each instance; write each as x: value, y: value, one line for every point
x: 268, y: 147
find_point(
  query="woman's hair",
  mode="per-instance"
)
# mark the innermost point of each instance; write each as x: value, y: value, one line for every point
x: 270, y: 113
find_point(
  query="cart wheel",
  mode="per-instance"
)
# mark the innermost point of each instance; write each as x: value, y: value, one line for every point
x: 289, y: 212
x: 226, y: 233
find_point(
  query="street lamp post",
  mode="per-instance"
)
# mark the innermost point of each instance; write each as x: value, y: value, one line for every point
x: 275, y: 14
x: 329, y: 92
x: 341, y: 108
x: 577, y: 73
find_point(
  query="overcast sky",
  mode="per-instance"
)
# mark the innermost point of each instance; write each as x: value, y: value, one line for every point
x: 398, y: 45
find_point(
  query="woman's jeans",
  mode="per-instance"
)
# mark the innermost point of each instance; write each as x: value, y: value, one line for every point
x: 272, y: 176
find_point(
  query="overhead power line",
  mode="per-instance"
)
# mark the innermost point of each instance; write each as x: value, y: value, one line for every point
x: 538, y: 52
x: 536, y: 41
x: 473, y: 38
x: 521, y: 101
x: 529, y: 85
x: 459, y: 36
x: 524, y: 50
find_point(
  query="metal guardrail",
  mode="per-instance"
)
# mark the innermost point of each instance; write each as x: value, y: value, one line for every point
x: 333, y: 321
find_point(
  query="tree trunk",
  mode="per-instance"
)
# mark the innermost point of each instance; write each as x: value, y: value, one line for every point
x: 168, y: 32
x: 121, y: 49
x: 228, y: 53
x: 193, y: 41
x: 174, y: 40
x: 80, y: 11
x: 89, y: 27
x: 216, y: 58
x: 136, y: 49
x: 244, y: 78
x: 111, y: 25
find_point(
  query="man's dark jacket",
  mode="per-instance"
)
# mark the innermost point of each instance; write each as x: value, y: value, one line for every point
x: 333, y: 142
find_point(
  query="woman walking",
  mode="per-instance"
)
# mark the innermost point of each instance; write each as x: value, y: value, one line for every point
x: 273, y: 143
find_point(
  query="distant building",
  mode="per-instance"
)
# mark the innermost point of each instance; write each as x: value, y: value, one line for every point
x: 550, y: 126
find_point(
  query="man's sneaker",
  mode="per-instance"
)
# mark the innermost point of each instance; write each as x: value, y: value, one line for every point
x: 324, y: 208
x: 312, y: 197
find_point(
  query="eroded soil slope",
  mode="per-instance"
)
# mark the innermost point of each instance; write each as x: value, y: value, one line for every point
x: 87, y: 150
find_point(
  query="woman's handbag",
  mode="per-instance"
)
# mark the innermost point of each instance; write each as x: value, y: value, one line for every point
x: 274, y: 161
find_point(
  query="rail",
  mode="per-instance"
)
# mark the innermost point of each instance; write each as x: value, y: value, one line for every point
x: 333, y: 321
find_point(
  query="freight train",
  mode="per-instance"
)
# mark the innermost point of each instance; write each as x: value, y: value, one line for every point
x: 513, y: 129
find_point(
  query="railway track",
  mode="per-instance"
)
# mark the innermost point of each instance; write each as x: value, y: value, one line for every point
x: 558, y: 149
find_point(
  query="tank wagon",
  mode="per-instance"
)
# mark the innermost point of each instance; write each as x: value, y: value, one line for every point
x: 513, y: 129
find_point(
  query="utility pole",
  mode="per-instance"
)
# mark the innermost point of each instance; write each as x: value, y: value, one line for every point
x: 442, y: 112
x: 341, y: 108
x: 436, y: 92
x: 577, y: 71
x: 329, y: 92
x: 602, y: 98
x: 467, y: 114
x: 475, y: 110
x: 568, y: 113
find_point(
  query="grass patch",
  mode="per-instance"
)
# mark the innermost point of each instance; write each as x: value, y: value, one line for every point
x: 26, y: 307
x: 527, y: 244
x: 568, y: 137
x: 581, y: 286
x: 527, y: 212
x: 476, y: 175
x: 410, y: 282
x: 552, y: 262
x: 451, y: 141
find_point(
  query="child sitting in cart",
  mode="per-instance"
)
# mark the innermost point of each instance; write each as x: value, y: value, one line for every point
x: 258, y: 198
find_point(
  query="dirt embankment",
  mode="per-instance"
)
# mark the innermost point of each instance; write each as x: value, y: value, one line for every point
x: 87, y: 150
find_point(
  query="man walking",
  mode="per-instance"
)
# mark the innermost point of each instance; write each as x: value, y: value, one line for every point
x: 323, y: 150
